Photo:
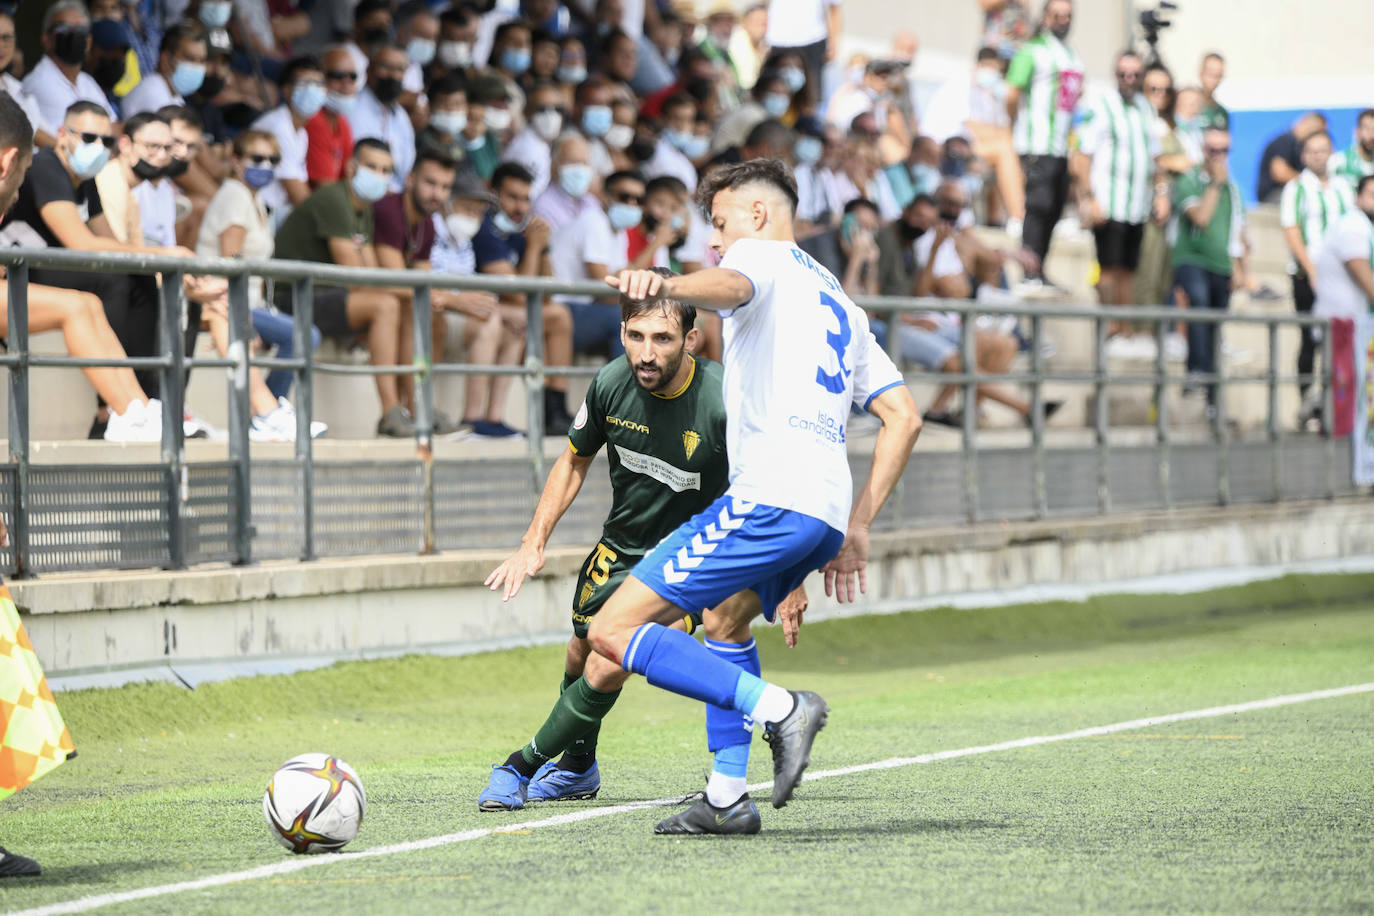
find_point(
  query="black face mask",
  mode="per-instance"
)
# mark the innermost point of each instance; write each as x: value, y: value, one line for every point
x: 909, y: 232
x: 177, y: 167
x: 387, y: 90
x: 69, y: 43
x: 641, y: 150
x: 950, y: 217
x: 375, y: 36
x: 108, y: 71
x: 147, y: 171
x: 211, y: 87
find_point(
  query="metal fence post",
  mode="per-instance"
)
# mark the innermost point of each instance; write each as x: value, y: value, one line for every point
x: 1039, y: 489
x: 1104, y: 499
x: 19, y: 415
x: 424, y: 405
x: 1162, y: 411
x: 1271, y: 421
x: 174, y: 413
x: 1220, y: 430
x: 534, y: 386
x: 241, y: 416
x: 968, y: 357
x: 1329, y: 408
x: 302, y: 312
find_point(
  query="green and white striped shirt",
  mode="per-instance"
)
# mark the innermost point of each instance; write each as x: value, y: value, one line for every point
x: 1351, y: 164
x: 1120, y: 137
x: 1314, y: 207
x: 1050, y: 76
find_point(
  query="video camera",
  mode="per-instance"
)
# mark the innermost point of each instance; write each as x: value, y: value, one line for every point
x: 1151, y: 21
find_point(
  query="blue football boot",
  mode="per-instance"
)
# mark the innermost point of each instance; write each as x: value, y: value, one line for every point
x: 505, y: 792
x: 552, y: 784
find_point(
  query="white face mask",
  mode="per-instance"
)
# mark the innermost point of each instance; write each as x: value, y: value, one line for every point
x: 497, y: 119
x: 547, y: 124
x: 461, y: 226
x: 618, y: 136
x: 455, y: 54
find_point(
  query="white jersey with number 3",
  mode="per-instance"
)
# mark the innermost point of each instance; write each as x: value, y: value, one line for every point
x: 797, y: 355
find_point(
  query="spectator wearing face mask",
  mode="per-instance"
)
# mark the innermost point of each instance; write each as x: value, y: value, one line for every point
x: 457, y: 33
x: 329, y: 135
x: 511, y: 52
x: 417, y: 31
x: 58, y: 82
x: 303, y: 94
x: 180, y: 71
x: 378, y: 112
x: 679, y: 148
x: 769, y: 99
x: 499, y: 338
x: 545, y: 53
x: 111, y: 59
x: 809, y: 27
x: 808, y: 151
x: 543, y: 123
x: 448, y: 117
x: 594, y: 116
x: 620, y: 136
x: 488, y: 118
x: 373, y: 25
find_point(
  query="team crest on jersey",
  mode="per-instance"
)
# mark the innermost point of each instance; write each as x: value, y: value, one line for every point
x: 587, y: 589
x: 690, y: 441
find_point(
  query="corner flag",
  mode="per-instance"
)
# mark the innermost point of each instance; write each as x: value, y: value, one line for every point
x: 33, y: 740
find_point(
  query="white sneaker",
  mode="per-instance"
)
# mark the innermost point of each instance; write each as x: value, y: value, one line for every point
x: 1120, y: 347
x: 280, y: 425
x: 1175, y: 347
x: 193, y: 426
x: 140, y: 422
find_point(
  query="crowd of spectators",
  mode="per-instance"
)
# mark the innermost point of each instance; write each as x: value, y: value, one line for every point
x: 565, y: 138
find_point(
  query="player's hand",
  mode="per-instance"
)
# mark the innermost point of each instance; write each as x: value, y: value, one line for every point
x: 840, y: 572
x: 639, y: 285
x: 789, y: 614
x: 525, y: 562
x: 476, y: 304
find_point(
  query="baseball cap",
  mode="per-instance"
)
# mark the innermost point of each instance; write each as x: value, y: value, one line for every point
x: 111, y: 34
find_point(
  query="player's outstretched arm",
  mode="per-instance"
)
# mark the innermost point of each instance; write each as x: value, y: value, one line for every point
x: 901, y: 426
x: 714, y: 288
x: 560, y: 489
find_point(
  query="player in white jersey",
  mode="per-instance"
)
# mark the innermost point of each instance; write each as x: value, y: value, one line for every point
x: 798, y: 355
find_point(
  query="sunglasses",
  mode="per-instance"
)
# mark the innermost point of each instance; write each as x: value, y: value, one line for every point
x: 264, y: 160
x: 1154, y: 90
x: 106, y: 139
x: 625, y: 197
x: 341, y: 75
x: 1218, y: 150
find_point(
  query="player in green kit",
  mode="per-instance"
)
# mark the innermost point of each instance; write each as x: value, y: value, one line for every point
x: 660, y: 414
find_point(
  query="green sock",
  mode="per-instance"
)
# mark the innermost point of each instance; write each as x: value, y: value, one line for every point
x: 568, y: 681
x: 576, y: 715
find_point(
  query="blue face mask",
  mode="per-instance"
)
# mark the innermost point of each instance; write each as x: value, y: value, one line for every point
x: 515, y: 60
x: 420, y: 50
x: 926, y: 178
x: 339, y: 103
x: 369, y: 185
x: 505, y: 224
x: 808, y: 150
x: 571, y: 74
x: 259, y: 177
x: 307, y: 99
x: 623, y: 216
x: 187, y: 77
x: 87, y: 159
x: 214, y: 14
x: 690, y: 145
x: 776, y: 104
x: 596, y: 120
x: 575, y: 179
x: 794, y: 77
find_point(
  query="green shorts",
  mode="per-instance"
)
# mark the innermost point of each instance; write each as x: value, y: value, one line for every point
x: 601, y: 575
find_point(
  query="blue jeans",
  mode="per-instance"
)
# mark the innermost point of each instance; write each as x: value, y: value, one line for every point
x: 1205, y: 290
x: 596, y: 328
x: 275, y: 329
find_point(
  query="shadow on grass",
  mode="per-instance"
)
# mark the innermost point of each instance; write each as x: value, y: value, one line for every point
x: 91, y: 875
x: 909, y: 827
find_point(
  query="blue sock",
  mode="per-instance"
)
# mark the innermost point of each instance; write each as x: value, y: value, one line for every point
x: 729, y: 732
x: 675, y: 661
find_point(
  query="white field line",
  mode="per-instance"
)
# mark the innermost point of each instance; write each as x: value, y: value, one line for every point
x: 95, y: 901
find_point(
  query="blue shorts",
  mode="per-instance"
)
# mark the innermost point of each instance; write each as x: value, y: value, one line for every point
x: 734, y: 545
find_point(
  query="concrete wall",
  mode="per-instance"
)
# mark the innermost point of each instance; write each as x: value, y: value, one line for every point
x: 365, y: 606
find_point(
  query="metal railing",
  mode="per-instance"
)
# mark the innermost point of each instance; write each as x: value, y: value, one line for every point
x: 301, y: 277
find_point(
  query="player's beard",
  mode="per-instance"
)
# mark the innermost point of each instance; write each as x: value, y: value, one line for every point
x: 666, y: 372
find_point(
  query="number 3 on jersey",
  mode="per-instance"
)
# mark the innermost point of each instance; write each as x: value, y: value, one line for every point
x: 834, y: 382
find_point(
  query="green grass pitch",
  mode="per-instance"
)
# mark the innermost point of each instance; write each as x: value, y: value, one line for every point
x: 1269, y: 810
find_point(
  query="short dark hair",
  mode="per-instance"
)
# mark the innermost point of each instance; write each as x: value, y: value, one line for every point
x: 141, y: 120
x: 183, y: 113
x: 368, y: 7
x: 859, y: 203
x: 295, y: 65
x: 986, y: 53
x: 1367, y: 113
x: 678, y: 100
x: 508, y: 171
x: 186, y: 29
x: 623, y: 175
x: 448, y: 84
x: 15, y: 129
x: 633, y: 308
x: 84, y: 107
x: 772, y: 172
x: 770, y: 133
x: 1315, y: 134
x: 437, y: 156
x: 370, y: 143
x: 665, y: 183
x: 507, y: 27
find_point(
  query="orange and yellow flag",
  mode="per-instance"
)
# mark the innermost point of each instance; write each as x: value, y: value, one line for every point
x: 33, y: 740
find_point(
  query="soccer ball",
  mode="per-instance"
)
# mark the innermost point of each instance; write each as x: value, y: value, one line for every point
x: 314, y: 803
